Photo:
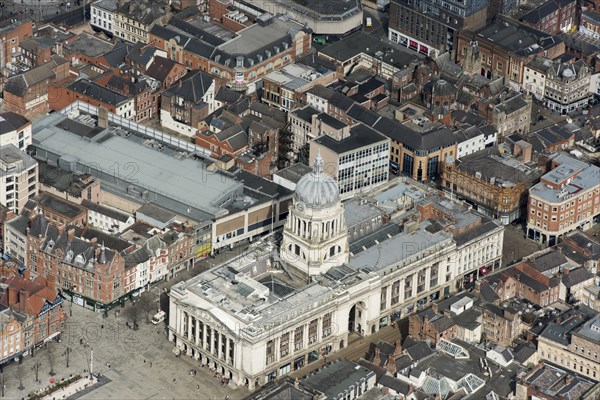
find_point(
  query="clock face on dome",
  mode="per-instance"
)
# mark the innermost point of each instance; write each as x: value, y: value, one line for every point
x: 300, y: 206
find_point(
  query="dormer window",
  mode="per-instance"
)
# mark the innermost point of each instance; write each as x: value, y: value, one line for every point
x: 50, y: 245
x: 69, y: 256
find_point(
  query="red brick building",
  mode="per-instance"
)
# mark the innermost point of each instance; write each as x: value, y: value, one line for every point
x: 236, y: 62
x: 11, y: 35
x: 92, y: 93
x: 166, y: 71
x: 41, y: 304
x: 28, y: 94
x: 553, y: 17
x: 85, y: 264
x: 144, y: 98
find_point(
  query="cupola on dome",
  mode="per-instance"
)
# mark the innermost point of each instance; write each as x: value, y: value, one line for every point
x: 317, y: 188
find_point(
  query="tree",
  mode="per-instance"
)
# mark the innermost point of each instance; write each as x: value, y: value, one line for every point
x: 133, y: 314
x: 145, y: 304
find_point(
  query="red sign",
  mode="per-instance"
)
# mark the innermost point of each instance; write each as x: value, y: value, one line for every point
x: 424, y: 49
x: 414, y: 44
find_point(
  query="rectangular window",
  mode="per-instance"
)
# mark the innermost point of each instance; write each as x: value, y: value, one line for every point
x: 312, y: 331
x: 299, y: 338
x: 284, y: 344
x: 327, y: 324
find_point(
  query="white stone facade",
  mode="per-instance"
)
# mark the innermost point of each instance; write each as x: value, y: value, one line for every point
x: 315, y: 240
x: 103, y: 15
x: 236, y: 319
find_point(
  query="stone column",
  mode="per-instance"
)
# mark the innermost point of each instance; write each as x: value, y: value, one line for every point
x: 305, y: 337
x: 182, y: 316
x: 197, y: 338
x: 189, y: 327
x: 227, y: 349
x: 319, y: 329
x: 220, y: 344
x: 204, y: 336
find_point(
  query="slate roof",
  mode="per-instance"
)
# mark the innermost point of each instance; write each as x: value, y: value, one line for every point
x: 60, y: 206
x: 511, y: 105
x: 235, y: 135
x: 487, y: 225
x: 189, y: 43
x: 97, y: 92
x: 141, y: 53
x: 116, y: 57
x: 19, y: 84
x: 419, y: 351
x: 305, y: 113
x: 335, y: 98
x: 160, y: 68
x: 394, y: 383
x: 523, y: 353
x: 10, y: 122
x: 193, y: 86
x: 77, y: 251
x: 556, y: 333
x: 337, y: 377
x: 549, y: 261
x: 143, y: 11
x: 576, y: 276
x: 541, y: 12
x: 109, y: 212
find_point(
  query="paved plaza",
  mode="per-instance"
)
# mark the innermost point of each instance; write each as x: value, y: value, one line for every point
x: 516, y: 246
x: 140, y: 364
x: 108, y: 340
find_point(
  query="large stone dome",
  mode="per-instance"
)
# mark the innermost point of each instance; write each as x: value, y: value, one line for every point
x: 317, y: 188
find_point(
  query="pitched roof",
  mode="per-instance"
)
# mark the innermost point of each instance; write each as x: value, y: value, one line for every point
x: 10, y: 122
x: 97, y: 92
x: 19, y: 84
x: 193, y: 86
x: 576, y: 276
x: 160, y: 68
x: 539, y: 13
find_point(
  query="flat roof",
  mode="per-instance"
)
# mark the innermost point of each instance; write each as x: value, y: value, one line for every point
x: 362, y: 42
x: 360, y: 136
x: 255, y: 37
x: 10, y: 154
x: 584, y: 180
x: 401, y: 247
x: 140, y: 166
x: 336, y: 378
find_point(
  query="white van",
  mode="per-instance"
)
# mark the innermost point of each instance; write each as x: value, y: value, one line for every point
x: 159, y: 317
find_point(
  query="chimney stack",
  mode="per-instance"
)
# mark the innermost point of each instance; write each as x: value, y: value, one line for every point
x: 391, y: 365
x: 70, y: 234
x: 398, y: 348
x: 12, y: 295
x: 377, y: 359
x: 23, y: 300
x: 51, y: 282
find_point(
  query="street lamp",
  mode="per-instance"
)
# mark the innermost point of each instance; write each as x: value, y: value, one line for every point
x: 37, y: 370
x: 67, y: 351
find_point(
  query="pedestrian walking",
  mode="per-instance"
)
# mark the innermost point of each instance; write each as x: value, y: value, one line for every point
x: 174, y: 380
x: 198, y: 387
